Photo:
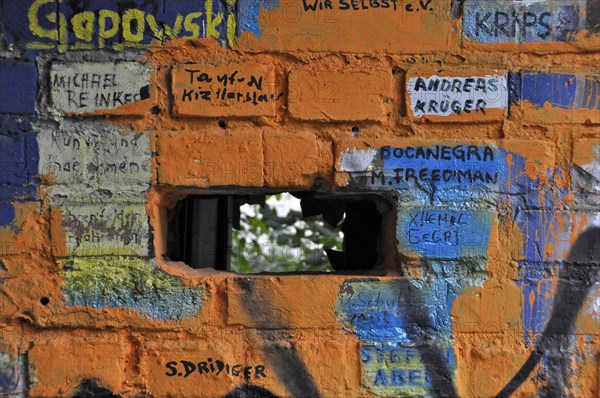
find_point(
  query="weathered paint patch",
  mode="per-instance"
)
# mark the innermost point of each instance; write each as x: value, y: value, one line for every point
x: 129, y: 282
x: 9, y: 376
x: 390, y: 369
x: 524, y: 21
x: 563, y: 91
x: 84, y: 88
x: 466, y: 96
x: 224, y: 90
x: 82, y: 162
x: 18, y: 171
x: 547, y: 239
x: 111, y: 228
x: 444, y: 233
x: 397, y: 321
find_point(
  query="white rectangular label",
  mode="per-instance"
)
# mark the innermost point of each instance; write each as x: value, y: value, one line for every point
x: 445, y: 96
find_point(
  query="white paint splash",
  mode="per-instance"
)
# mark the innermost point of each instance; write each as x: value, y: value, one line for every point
x: 355, y: 160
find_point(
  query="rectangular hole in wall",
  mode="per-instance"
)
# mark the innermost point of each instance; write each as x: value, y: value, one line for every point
x: 282, y: 232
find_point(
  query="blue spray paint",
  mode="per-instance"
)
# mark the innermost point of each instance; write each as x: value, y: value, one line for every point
x: 248, y: 12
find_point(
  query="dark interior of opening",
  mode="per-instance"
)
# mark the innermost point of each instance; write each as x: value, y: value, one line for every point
x: 201, y: 227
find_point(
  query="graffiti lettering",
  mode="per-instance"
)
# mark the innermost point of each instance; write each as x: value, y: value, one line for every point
x: 215, y: 367
x: 499, y: 23
x: 209, y: 90
x: 219, y: 91
x: 440, y: 152
x: 444, y: 96
x: 86, y: 88
x: 102, y: 28
x: 360, y: 5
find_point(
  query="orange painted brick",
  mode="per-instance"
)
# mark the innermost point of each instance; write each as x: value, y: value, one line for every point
x: 340, y: 95
x: 59, y: 362
x: 470, y: 312
x: 204, y: 159
x: 184, y: 367
x: 291, y: 159
x: 225, y: 90
x: 289, y: 302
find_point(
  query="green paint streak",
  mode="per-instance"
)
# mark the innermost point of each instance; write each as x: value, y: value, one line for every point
x: 129, y: 282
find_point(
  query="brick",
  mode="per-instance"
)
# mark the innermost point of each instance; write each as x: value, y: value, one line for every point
x: 18, y: 87
x: 86, y: 88
x: 291, y: 159
x: 444, y: 233
x: 448, y: 97
x: 355, y: 27
x: 225, y: 90
x: 391, y: 370
x: 411, y: 166
x: 548, y: 235
x: 233, y: 349
x: 59, y: 362
x: 211, y: 158
x: 547, y: 20
x: 319, y: 354
x: 471, y: 312
x: 110, y: 228
x: 322, y: 356
x: 343, y: 95
x: 290, y: 302
x: 78, y: 162
x: 557, y: 98
x: 480, y: 356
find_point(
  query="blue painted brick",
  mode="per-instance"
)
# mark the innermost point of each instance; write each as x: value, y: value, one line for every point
x: 515, y: 21
x: 443, y: 233
x: 564, y: 91
x: 18, y: 159
x: 12, y: 164
x: 18, y: 87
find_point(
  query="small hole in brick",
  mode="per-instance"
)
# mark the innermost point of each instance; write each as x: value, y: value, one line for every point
x: 355, y: 130
x: 44, y: 300
x: 223, y: 124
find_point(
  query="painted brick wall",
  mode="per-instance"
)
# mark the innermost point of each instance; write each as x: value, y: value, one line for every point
x: 480, y: 118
